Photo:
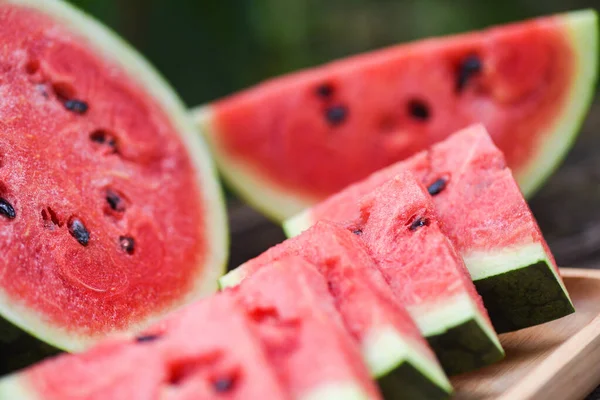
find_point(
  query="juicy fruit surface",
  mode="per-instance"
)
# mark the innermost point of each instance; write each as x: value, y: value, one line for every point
x: 302, y: 332
x: 345, y: 263
x: 97, y: 178
x: 367, y: 307
x: 467, y: 177
x: 484, y: 214
x: 311, y: 134
x: 171, y: 361
x: 400, y: 227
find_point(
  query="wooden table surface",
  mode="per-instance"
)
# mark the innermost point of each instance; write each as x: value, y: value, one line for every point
x: 567, y: 209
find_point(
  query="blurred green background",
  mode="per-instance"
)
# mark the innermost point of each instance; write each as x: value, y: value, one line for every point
x: 210, y: 48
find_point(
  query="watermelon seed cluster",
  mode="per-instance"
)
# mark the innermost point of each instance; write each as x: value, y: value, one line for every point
x: 6, y: 209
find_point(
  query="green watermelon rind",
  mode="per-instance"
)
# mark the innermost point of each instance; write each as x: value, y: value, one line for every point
x: 582, y: 29
x: 393, y: 361
x: 336, y: 391
x: 113, y: 48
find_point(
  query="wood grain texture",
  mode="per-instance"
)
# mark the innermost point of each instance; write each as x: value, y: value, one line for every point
x: 557, y: 360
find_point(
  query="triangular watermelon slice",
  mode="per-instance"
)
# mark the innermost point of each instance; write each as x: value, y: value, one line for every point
x: 303, y: 333
x: 389, y: 340
x: 484, y: 214
x: 289, y: 143
x: 205, y: 351
x: 400, y: 227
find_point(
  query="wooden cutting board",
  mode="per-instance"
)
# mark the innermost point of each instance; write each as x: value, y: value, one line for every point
x: 557, y: 360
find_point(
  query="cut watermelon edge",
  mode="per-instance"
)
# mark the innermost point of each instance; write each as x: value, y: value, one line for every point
x: 385, y: 352
x: 336, y: 391
x: 243, y: 178
x: 13, y: 387
x: 582, y: 29
x: 113, y: 48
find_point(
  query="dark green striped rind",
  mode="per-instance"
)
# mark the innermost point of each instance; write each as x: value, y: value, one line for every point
x: 464, y: 348
x: 407, y: 382
x: 524, y: 297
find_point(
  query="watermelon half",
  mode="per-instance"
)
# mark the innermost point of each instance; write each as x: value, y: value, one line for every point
x: 484, y: 214
x: 110, y: 212
x: 290, y: 142
x: 303, y: 334
x: 390, y: 342
x: 171, y: 361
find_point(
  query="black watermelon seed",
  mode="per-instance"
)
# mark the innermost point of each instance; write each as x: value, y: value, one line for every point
x: 437, y: 186
x: 324, y: 90
x: 127, y: 244
x: 357, y: 232
x: 419, y: 110
x: 336, y: 114
x: 469, y: 67
x: 114, y: 201
x: 6, y: 209
x: 418, y: 223
x: 147, y: 338
x: 79, y: 231
x: 76, y: 106
x: 223, y: 385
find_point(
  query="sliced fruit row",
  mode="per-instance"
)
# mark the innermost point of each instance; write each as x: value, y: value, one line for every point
x: 383, y: 294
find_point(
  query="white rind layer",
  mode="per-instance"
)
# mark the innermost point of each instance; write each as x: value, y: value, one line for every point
x: 385, y: 350
x: 112, y: 48
x: 482, y: 265
x: 436, y: 319
x: 276, y: 203
x: 14, y: 387
x: 336, y: 391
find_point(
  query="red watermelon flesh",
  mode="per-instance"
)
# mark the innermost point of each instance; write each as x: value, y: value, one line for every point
x: 389, y: 339
x: 400, y: 228
x: 106, y: 197
x: 205, y: 351
x: 292, y: 141
x: 303, y: 333
x: 484, y: 214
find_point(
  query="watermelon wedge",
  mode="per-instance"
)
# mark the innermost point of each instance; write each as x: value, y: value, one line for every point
x: 303, y: 333
x: 399, y: 225
x: 484, y: 214
x: 390, y: 341
x: 290, y: 142
x: 171, y: 361
x: 110, y: 212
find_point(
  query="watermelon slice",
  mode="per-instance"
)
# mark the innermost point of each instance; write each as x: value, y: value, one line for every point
x: 303, y: 333
x: 390, y: 342
x: 399, y: 225
x: 171, y: 361
x: 289, y: 143
x: 110, y: 212
x: 488, y: 221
